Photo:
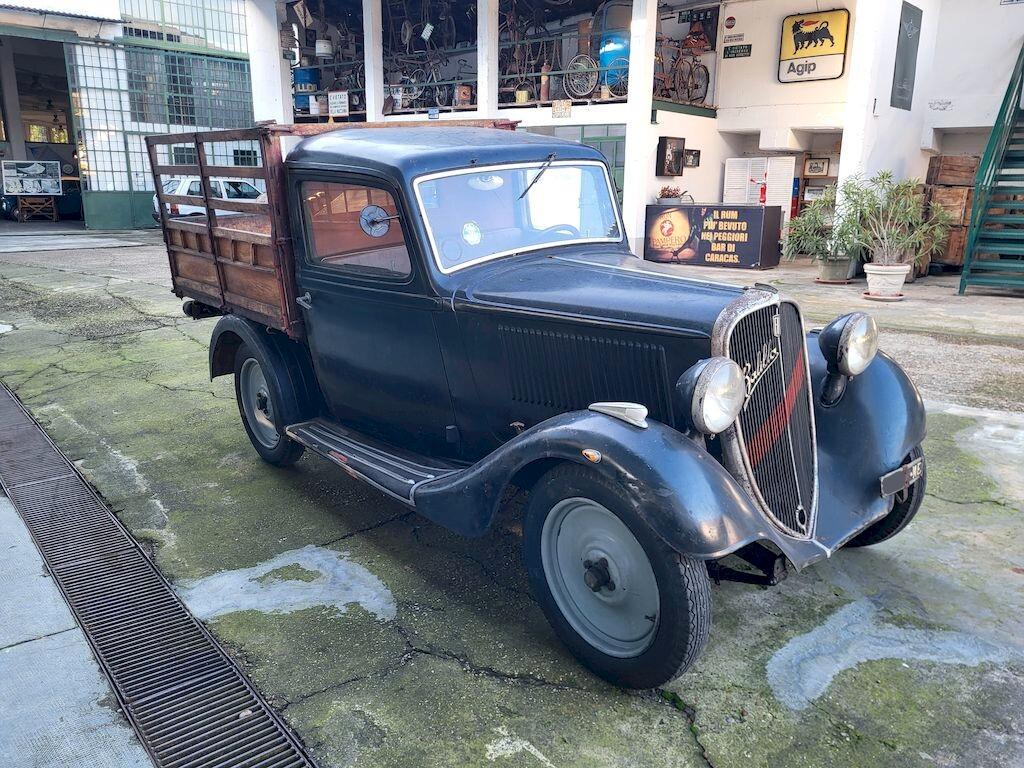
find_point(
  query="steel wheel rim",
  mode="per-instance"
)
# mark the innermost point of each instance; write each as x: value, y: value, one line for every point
x: 257, y: 403
x: 583, y: 545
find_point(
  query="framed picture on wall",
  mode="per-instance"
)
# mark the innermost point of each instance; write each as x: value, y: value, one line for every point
x: 669, y: 161
x: 814, y: 193
x: 816, y: 166
x: 691, y: 158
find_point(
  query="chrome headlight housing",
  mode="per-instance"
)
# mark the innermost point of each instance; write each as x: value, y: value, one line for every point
x: 849, y: 343
x: 713, y: 392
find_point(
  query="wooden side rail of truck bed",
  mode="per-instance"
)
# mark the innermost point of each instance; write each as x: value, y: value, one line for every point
x: 236, y: 256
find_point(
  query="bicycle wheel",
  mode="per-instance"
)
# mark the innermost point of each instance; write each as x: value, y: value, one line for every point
x: 617, y: 76
x: 442, y: 95
x: 701, y: 79
x: 581, y: 76
x: 681, y: 80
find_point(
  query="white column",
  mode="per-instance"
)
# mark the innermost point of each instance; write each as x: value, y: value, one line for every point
x: 269, y: 70
x: 11, y: 106
x: 639, y: 136
x: 373, y: 48
x: 487, y: 57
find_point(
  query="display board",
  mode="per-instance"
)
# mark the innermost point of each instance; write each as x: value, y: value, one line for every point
x: 741, y: 236
x: 32, y: 177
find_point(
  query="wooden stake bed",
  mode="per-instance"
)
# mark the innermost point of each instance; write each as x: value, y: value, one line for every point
x: 237, y: 256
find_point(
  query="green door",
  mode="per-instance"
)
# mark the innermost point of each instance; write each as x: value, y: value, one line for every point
x: 614, y: 149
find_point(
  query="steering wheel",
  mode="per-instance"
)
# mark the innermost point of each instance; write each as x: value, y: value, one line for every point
x: 564, y: 229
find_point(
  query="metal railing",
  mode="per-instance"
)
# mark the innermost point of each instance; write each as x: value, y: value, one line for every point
x: 991, y: 162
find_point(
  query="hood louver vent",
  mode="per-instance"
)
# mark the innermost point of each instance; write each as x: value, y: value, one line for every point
x: 569, y: 371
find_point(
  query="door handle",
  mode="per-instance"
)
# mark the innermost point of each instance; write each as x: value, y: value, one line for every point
x: 305, y: 300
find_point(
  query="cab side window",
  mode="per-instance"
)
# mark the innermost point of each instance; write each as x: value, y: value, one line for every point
x: 354, y: 228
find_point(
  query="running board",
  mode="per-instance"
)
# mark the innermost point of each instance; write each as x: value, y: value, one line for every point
x: 389, y: 469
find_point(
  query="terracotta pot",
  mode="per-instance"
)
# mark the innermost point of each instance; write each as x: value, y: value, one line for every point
x: 886, y: 281
x: 834, y: 271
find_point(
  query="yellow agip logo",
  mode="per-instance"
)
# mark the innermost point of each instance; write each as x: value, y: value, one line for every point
x: 813, y: 46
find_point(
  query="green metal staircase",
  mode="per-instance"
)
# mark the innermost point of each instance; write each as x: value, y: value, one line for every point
x: 994, y: 252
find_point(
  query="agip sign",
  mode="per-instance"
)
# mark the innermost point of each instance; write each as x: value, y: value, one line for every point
x: 813, y: 46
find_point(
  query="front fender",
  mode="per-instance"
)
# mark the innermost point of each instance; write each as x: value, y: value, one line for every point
x: 868, y: 433
x: 685, y: 495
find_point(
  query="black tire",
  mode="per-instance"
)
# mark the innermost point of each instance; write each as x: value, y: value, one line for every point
x: 903, y: 510
x: 684, y: 590
x: 283, y: 451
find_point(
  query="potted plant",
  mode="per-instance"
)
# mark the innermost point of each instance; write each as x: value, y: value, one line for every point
x: 894, y: 229
x: 670, y: 195
x: 825, y: 231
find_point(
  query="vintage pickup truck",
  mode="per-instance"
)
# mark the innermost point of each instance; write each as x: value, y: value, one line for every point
x: 448, y: 313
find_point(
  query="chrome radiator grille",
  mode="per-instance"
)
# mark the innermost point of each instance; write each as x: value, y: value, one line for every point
x: 771, y: 447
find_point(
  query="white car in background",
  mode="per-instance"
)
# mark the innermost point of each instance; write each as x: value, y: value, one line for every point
x: 231, y: 189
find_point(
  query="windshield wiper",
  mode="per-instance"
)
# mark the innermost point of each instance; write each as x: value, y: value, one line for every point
x: 535, y: 179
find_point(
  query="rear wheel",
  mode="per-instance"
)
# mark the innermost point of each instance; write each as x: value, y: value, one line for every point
x: 262, y: 409
x: 905, y: 506
x: 628, y: 606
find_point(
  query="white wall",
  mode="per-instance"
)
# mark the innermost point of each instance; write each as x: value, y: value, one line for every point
x: 751, y: 99
x: 703, y: 182
x: 978, y: 43
x: 877, y: 136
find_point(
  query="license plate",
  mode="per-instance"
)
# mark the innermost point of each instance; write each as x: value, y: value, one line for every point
x: 902, y: 478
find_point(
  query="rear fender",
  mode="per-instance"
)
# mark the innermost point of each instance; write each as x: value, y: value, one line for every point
x: 685, y: 495
x: 289, y: 359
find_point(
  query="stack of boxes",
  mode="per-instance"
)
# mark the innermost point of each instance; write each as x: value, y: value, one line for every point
x: 950, y: 185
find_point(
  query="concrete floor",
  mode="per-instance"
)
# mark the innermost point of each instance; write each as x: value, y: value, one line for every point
x: 56, y: 709
x: 387, y: 641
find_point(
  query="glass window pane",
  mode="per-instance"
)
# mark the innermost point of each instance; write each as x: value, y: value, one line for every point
x: 350, y: 230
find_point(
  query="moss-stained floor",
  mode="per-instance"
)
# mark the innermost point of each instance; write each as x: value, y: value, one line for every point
x: 387, y: 641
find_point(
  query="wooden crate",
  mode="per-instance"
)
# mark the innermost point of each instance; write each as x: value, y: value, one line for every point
x: 953, y: 254
x: 956, y: 200
x: 953, y: 170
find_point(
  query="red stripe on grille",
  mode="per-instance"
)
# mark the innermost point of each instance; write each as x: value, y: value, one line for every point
x: 772, y: 429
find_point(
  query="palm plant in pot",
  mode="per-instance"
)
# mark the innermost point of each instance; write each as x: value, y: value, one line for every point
x: 894, y: 228
x: 826, y: 231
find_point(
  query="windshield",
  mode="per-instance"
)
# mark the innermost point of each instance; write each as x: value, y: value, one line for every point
x: 477, y: 214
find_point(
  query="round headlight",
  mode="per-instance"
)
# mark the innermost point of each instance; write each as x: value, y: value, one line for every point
x: 718, y: 392
x: 849, y: 343
x: 858, y: 344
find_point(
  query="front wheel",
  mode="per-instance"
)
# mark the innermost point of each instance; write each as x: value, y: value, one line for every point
x: 905, y: 506
x: 262, y: 409
x: 629, y: 607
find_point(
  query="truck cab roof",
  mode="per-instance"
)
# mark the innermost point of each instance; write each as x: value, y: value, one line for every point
x: 404, y: 153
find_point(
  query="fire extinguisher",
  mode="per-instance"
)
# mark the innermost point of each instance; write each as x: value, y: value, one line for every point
x: 762, y: 192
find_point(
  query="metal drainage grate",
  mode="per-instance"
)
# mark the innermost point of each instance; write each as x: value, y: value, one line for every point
x: 188, y: 702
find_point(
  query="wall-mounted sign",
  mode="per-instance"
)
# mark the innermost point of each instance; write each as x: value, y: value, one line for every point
x: 714, y: 235
x: 735, y: 37
x: 907, y: 43
x: 669, y: 161
x: 730, y: 22
x: 813, y: 46
x: 736, y: 51
x: 337, y: 103
x: 32, y: 177
x: 561, y: 108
